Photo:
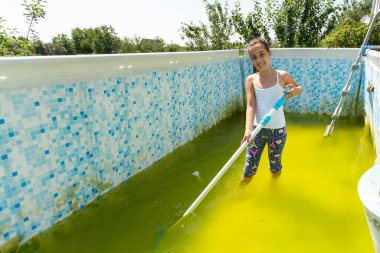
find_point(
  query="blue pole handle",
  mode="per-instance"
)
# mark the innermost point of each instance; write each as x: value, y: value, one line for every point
x: 265, y: 120
x: 280, y: 102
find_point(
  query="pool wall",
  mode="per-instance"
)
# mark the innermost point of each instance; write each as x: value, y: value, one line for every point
x: 372, y: 96
x: 74, y: 127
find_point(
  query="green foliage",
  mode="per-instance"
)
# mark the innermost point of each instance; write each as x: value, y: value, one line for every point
x: 197, y: 36
x: 34, y: 11
x: 6, y: 39
x: 105, y: 40
x: 350, y: 32
x: 352, y: 12
x: 253, y: 25
x: 301, y: 23
x: 352, y: 36
x: 60, y: 45
x: 172, y: 47
x: 10, y: 45
x: 63, y: 45
x: 220, y: 24
x: 21, y: 47
x: 99, y: 40
x: 216, y: 36
x: 152, y: 45
x: 130, y: 45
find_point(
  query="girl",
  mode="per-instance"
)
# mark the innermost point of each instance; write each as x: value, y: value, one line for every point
x: 263, y: 88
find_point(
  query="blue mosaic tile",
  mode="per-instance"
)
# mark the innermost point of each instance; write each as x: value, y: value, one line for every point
x: 64, y: 144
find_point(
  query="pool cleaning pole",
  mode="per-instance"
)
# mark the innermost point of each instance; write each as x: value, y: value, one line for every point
x: 242, y: 147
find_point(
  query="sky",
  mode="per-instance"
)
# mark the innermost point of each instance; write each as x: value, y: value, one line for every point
x: 129, y: 18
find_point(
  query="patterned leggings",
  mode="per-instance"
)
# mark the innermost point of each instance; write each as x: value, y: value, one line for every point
x: 276, y: 139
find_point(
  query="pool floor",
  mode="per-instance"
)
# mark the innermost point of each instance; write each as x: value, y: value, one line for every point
x: 312, y: 207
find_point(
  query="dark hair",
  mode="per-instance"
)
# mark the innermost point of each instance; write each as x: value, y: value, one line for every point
x: 254, y: 42
x: 259, y: 40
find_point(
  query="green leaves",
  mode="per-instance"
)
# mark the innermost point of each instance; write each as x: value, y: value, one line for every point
x: 34, y: 11
x: 352, y: 36
x: 295, y: 23
x: 350, y: 32
x: 255, y: 24
x: 98, y: 40
x: 198, y: 38
x: 220, y: 24
x: 302, y: 23
x: 216, y: 36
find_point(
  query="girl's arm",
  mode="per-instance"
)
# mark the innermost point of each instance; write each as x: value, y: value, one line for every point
x: 288, y: 81
x: 250, y: 112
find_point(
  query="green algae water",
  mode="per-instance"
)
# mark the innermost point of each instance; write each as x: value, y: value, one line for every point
x: 313, y: 206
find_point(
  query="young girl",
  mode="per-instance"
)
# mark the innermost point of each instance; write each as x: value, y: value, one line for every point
x: 263, y: 89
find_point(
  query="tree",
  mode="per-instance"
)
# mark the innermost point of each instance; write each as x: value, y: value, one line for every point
x: 10, y: 45
x: 63, y: 45
x: 6, y: 39
x: 129, y: 45
x: 215, y: 36
x: 34, y: 11
x: 41, y: 48
x: 301, y: 23
x: 352, y: 36
x: 353, y: 11
x: 152, y: 45
x: 198, y: 36
x: 350, y: 32
x: 21, y: 47
x: 98, y: 40
x: 105, y: 40
x: 82, y: 40
x: 138, y: 45
x: 172, y: 47
x: 252, y: 26
x: 220, y: 24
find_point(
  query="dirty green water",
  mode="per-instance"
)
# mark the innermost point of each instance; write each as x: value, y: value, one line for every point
x: 312, y: 207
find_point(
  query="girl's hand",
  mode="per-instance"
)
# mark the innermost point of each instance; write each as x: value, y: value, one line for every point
x: 292, y: 90
x: 246, y: 136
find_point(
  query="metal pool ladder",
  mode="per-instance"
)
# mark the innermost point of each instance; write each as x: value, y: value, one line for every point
x: 347, y: 87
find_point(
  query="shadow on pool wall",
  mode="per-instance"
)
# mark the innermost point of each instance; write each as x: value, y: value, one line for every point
x: 72, y: 128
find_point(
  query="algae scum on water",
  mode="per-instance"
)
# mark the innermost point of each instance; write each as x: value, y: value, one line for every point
x: 312, y: 207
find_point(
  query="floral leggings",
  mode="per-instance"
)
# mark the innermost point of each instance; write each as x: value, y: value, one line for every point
x: 276, y: 139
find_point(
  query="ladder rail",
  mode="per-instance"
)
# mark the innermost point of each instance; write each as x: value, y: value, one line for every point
x: 348, y: 84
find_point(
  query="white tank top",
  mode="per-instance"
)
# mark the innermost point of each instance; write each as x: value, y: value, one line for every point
x: 265, y: 99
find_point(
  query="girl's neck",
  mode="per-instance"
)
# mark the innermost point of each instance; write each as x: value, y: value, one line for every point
x: 266, y: 72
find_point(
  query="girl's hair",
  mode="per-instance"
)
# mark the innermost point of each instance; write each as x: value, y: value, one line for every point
x: 254, y: 42
x: 259, y: 40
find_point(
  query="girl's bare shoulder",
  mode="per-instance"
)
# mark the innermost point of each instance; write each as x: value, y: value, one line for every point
x: 251, y: 77
x: 283, y: 73
x: 286, y: 77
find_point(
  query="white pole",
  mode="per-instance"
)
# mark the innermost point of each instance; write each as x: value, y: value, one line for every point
x: 242, y: 147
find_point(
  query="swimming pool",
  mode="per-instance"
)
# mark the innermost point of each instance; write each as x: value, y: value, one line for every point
x: 311, y: 207
x: 74, y: 128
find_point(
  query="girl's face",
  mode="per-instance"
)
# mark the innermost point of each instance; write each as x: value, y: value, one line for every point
x: 260, y: 57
